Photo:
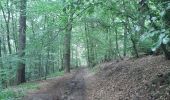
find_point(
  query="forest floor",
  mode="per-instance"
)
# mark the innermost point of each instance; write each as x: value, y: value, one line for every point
x: 146, y: 78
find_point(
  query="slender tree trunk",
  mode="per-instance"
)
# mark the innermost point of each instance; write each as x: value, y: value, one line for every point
x: 72, y: 58
x: 87, y: 45
x: 61, y: 61
x: 90, y: 47
x: 3, y: 42
x: 125, y: 30
x: 22, y: 42
x: 14, y: 32
x: 134, y: 47
x: 1, y: 66
x: 77, y: 56
x: 2, y: 80
x: 39, y: 66
x: 0, y: 50
x: 53, y: 63
x: 47, y: 63
x: 8, y: 31
x: 125, y: 40
x: 7, y: 20
x: 4, y: 46
x: 117, y: 46
x: 110, y: 46
x: 14, y: 27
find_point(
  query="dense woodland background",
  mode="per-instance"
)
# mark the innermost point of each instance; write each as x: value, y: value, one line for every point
x: 41, y: 37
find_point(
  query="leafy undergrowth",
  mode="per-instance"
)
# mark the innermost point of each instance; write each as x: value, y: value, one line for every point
x: 17, y: 92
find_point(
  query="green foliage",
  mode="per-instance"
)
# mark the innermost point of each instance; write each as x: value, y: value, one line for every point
x: 16, y: 93
x: 162, y: 36
x: 145, y: 45
x: 56, y: 74
x: 9, y: 95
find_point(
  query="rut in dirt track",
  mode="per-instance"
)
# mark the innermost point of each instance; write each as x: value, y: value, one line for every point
x: 76, y: 87
x: 71, y: 87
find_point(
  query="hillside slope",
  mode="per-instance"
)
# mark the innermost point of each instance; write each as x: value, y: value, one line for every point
x: 146, y: 78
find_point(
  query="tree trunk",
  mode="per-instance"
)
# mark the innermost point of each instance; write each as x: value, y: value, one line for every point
x: 61, y: 64
x: 166, y: 52
x: 77, y: 60
x: 125, y: 31
x: 8, y: 32
x: 0, y: 50
x: 14, y: 32
x: 87, y: 45
x: 134, y: 47
x: 125, y: 40
x: 1, y: 67
x: 22, y: 42
x: 47, y: 63
x: 67, y: 44
x: 117, y: 46
x: 7, y: 20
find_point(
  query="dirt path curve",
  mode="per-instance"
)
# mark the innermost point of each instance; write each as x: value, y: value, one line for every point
x: 69, y: 87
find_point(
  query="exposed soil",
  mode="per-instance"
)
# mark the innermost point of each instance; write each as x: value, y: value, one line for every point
x: 146, y: 78
x: 69, y: 87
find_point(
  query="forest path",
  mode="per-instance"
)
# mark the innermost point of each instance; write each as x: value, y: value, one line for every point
x: 129, y: 79
x: 69, y: 87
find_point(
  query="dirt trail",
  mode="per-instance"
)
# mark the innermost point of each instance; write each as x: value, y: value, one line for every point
x: 76, y: 87
x: 69, y: 87
x: 130, y: 79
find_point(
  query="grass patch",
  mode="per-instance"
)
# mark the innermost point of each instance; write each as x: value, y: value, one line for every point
x: 29, y: 86
x: 10, y: 94
x: 16, y: 93
x: 58, y: 73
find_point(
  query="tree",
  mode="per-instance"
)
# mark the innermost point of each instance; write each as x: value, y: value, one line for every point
x: 7, y: 23
x: 22, y: 42
x: 67, y: 43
